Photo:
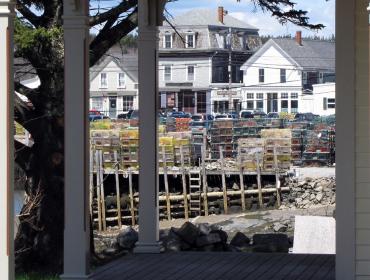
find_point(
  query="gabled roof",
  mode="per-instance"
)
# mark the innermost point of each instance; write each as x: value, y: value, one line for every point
x: 207, y: 17
x: 127, y: 62
x: 311, y: 55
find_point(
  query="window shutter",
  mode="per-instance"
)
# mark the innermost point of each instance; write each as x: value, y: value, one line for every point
x: 325, y: 103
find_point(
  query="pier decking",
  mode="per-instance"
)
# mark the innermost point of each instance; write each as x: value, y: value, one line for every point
x: 204, y: 265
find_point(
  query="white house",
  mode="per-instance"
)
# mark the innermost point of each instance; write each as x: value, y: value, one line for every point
x: 321, y: 101
x: 280, y: 76
x: 114, y: 84
x: 194, y: 58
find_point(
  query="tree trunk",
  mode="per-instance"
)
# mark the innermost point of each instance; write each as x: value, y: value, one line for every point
x: 39, y: 241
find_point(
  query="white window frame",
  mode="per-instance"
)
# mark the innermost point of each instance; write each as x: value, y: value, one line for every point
x: 97, y: 101
x: 259, y: 75
x: 331, y: 103
x: 164, y: 73
x: 250, y: 96
x: 106, y: 80
x: 164, y: 40
x: 284, y: 95
x: 187, y: 73
x: 259, y: 96
x: 125, y: 102
x: 283, y: 70
x: 294, y: 95
x: 119, y: 85
x: 187, y: 40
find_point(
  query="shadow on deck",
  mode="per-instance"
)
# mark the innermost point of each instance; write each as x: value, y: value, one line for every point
x: 203, y: 265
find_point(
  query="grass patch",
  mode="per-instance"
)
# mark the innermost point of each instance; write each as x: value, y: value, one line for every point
x: 35, y: 276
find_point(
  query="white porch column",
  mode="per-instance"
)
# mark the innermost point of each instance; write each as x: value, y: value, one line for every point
x: 76, y: 73
x: 6, y: 141
x: 150, y: 16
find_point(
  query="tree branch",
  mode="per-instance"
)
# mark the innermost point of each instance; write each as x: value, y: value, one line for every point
x: 123, y: 7
x: 22, y: 154
x: 105, y: 40
x: 27, y: 14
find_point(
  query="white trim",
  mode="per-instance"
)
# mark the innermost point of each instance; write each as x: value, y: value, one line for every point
x: 187, y: 73
x: 164, y: 39
x: 100, y: 79
x: 124, y: 80
x: 187, y: 40
x: 164, y: 72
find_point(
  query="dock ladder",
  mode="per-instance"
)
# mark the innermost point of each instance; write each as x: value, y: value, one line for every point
x: 195, y: 205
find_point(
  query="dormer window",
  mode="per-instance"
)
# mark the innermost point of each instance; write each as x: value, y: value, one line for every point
x: 167, y: 42
x: 190, y: 41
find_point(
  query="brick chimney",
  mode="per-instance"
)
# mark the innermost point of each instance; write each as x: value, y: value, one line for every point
x: 221, y: 13
x: 298, y: 37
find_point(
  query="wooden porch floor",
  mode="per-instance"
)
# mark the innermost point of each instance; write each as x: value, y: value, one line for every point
x: 203, y: 265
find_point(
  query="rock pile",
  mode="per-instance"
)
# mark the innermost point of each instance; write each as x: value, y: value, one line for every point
x: 310, y: 192
x: 205, y: 237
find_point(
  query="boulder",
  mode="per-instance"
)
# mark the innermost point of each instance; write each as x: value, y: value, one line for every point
x: 279, y: 227
x: 127, y: 238
x: 240, y: 240
x: 204, y: 229
x: 173, y: 242
x: 222, y: 234
x: 319, y: 197
x: 271, y: 243
x: 209, y: 239
x: 236, y: 187
x: 188, y: 233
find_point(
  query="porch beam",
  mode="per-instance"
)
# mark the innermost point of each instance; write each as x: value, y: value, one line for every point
x: 6, y: 140
x: 150, y: 16
x: 76, y: 76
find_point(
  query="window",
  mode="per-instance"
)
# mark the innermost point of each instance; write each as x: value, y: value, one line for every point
x: 304, y: 78
x: 128, y: 102
x: 261, y: 75
x: 250, y: 105
x: 294, y: 106
x: 201, y: 102
x: 282, y: 75
x: 167, y: 72
x: 259, y: 105
x: 284, y: 95
x: 329, y: 103
x: 190, y: 41
x: 259, y: 95
x: 121, y: 80
x: 97, y: 104
x: 168, y: 41
x: 284, y: 105
x: 250, y: 95
x: 191, y: 73
x: 103, y: 80
x: 294, y: 95
x: 220, y: 106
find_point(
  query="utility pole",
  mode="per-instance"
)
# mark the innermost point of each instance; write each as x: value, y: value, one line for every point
x: 230, y: 70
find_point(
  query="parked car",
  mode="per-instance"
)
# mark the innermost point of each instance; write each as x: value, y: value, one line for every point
x: 94, y: 118
x: 273, y: 115
x: 125, y: 116
x: 179, y: 114
x: 200, y: 120
x: 223, y: 117
x: 305, y: 117
x: 245, y: 114
x: 259, y: 114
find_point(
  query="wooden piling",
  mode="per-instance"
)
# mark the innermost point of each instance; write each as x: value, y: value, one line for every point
x: 224, y: 189
x: 98, y: 198
x: 116, y: 167
x: 260, y: 200
x: 131, y: 195
x: 184, y: 192
x: 277, y: 178
x: 168, y: 202
x: 91, y: 177
x: 102, y: 192
x: 204, y: 177
x: 241, y: 180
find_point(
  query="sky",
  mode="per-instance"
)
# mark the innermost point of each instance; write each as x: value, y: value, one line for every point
x: 319, y: 11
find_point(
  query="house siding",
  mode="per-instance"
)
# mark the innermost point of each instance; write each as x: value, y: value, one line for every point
x: 362, y: 143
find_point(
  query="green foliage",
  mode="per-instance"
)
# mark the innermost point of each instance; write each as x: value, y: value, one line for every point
x: 27, y: 37
x: 129, y: 41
